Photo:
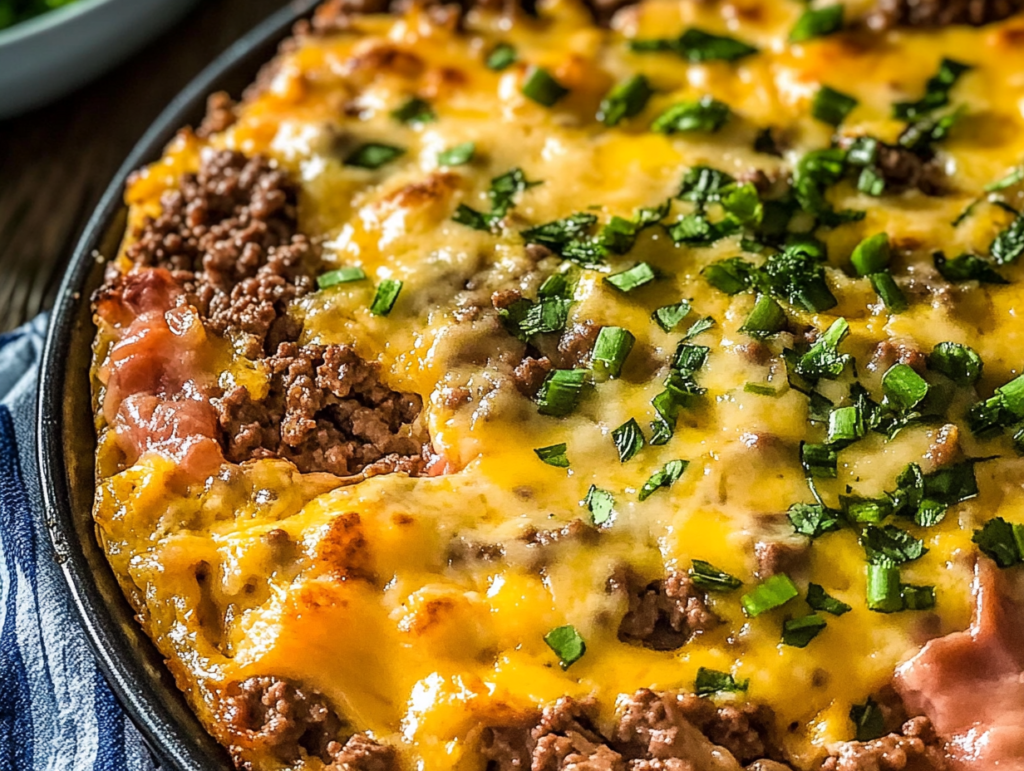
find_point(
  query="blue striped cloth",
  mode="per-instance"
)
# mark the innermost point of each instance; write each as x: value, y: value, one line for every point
x: 56, y: 711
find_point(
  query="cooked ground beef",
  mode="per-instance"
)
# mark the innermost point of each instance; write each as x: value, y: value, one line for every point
x: 663, y: 614
x: 361, y: 753
x: 270, y: 714
x: 575, y: 530
x: 890, y: 352
x: 229, y: 234
x: 940, y: 13
x: 220, y: 114
x: 576, y: 344
x: 654, y: 732
x: 779, y: 557
x: 902, y: 169
x: 915, y: 747
x: 530, y: 374
x: 326, y: 409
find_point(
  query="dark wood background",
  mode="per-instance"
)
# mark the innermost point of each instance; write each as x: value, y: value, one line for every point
x: 56, y: 161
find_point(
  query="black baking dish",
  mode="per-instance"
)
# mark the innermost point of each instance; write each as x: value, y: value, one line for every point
x: 66, y: 441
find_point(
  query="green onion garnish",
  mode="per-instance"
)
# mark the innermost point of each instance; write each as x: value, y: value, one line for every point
x: 625, y: 100
x: 458, y: 155
x: 869, y: 721
x: 967, y: 267
x: 541, y: 86
x: 917, y: 597
x: 863, y: 511
x: 813, y: 519
x: 554, y: 455
x: 821, y: 600
x: 711, y: 681
x: 384, y: 300
x: 415, y: 111
x: 766, y: 318
x: 798, y: 632
x: 671, y: 316
x: 560, y: 393
x: 903, y: 387
x: 831, y: 106
x: 1008, y: 245
x: 501, y: 57
x: 708, y: 577
x: 567, y: 644
x: 771, y: 593
x: 601, y: 505
x: 890, y: 545
x: 629, y: 439
x: 872, y: 254
x: 885, y: 285
x: 731, y: 276
x: 696, y: 46
x: 631, y: 279
x: 761, y: 389
x: 1001, y: 541
x: 666, y: 477
x: 823, y: 360
x: 820, y: 461
x: 706, y: 114
x: 883, y: 593
x: 610, y: 351
x: 340, y: 276
x: 845, y: 425
x: 936, y: 92
x: 373, y: 155
x: 817, y: 22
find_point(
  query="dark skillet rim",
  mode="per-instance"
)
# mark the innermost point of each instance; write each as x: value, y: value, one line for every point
x: 179, y: 744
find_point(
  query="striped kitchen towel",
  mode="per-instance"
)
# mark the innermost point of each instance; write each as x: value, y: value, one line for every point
x: 56, y: 711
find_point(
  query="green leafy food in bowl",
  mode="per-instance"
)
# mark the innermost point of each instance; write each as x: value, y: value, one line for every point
x: 14, y: 11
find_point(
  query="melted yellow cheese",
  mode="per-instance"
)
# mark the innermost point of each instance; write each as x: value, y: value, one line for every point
x: 432, y: 648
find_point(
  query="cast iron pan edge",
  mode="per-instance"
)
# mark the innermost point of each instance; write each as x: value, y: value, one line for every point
x: 66, y: 442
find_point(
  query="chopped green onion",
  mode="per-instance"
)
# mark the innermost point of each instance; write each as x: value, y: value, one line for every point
x: 936, y: 92
x: 883, y: 592
x: 845, y: 425
x: 554, y: 455
x: 1008, y: 245
x: 706, y: 114
x: 766, y: 318
x: 903, y: 387
x: 710, y: 681
x: 1001, y: 541
x: 703, y: 185
x: 384, y: 299
x: 1012, y: 394
x: 626, y: 100
x: 699, y: 327
x: 629, y: 439
x: 601, y: 505
x: 917, y: 597
x: 872, y: 255
x: 458, y: 155
x: 863, y: 511
x: 959, y: 363
x: 761, y: 389
x: 798, y: 632
x: 373, y: 155
x: 541, y: 86
x: 831, y: 106
x: 796, y: 275
x: 557, y: 234
x: 817, y: 22
x: 967, y: 267
x: 671, y: 316
x: 560, y: 393
x: 707, y: 576
x: 666, y: 477
x: 820, y: 461
x: 821, y: 600
x: 890, y: 545
x: 868, y: 720
x: 743, y: 204
x: 771, y: 593
x: 501, y: 57
x: 813, y: 519
x: 886, y: 287
x: 340, y: 276
x: 696, y: 46
x: 1015, y: 177
x: 414, y: 110
x: 567, y: 644
x: 631, y: 279
x: 610, y: 351
x: 731, y: 276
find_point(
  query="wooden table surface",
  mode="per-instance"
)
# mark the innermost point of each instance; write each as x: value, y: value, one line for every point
x: 56, y: 161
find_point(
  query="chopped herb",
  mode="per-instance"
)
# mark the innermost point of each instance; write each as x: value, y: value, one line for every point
x: 868, y: 720
x: 340, y: 276
x: 541, y: 86
x: 766, y: 318
x: 696, y: 45
x: 707, y: 576
x: 706, y: 114
x: 470, y: 217
x: 936, y: 92
x: 567, y: 644
x: 815, y: 172
x: 458, y: 155
x: 813, y: 519
x: 731, y: 276
x: 669, y: 317
x: 554, y: 455
x: 667, y: 410
x: 883, y: 592
x: 666, y: 477
x: 549, y: 315
x: 502, y: 193
x: 414, y: 110
x: 967, y: 267
x: 797, y: 276
x: 823, y: 360
x: 959, y: 363
x: 819, y: 460
x: 610, y: 351
x: 742, y: 204
x: 798, y: 632
x: 821, y: 600
x: 601, y: 505
x: 1009, y: 244
x: 903, y: 387
x: 699, y: 326
x: 373, y: 155
x: 892, y: 296
x: 628, y: 280
x: 703, y: 185
x: 1015, y: 177
x: 1001, y: 541
x: 761, y: 389
x: 920, y: 136
x: 890, y: 545
x: 917, y: 597
x: 863, y: 511
x: 773, y: 592
x: 831, y: 106
x: 871, y: 255
x: 501, y: 57
x: 560, y: 393
x: 925, y: 497
x: 696, y: 229
x: 710, y: 681
x: 626, y: 100
x: 556, y: 234
x: 629, y: 439
x: 846, y: 425
x: 384, y: 300
x: 817, y: 22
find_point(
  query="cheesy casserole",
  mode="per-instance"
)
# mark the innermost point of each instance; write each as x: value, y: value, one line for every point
x: 586, y: 389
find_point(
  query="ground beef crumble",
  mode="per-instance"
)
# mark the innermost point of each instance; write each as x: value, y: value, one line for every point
x: 940, y: 13
x: 663, y: 614
x: 326, y: 409
x: 915, y: 747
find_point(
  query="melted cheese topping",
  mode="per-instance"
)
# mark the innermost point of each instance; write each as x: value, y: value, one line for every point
x: 432, y: 646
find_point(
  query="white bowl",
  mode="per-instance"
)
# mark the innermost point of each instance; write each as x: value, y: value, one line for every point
x: 48, y: 56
